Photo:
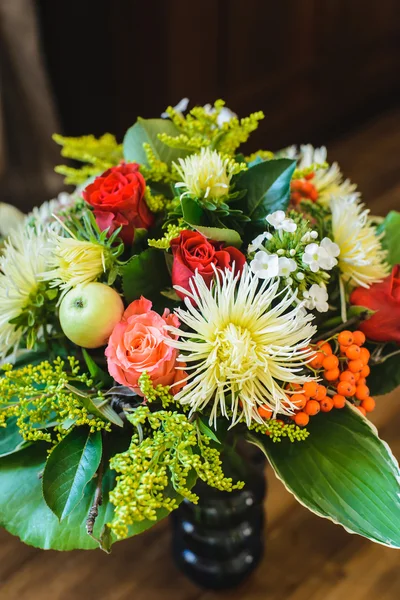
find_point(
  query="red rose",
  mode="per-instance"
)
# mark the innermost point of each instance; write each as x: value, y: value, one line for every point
x: 384, y: 298
x: 117, y: 197
x: 193, y: 251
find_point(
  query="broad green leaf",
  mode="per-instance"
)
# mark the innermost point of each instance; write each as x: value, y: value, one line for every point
x: 70, y: 467
x: 145, y: 131
x: 145, y: 274
x: 343, y: 472
x: 24, y: 513
x: 10, y: 438
x: 229, y: 236
x: 192, y: 212
x: 268, y: 187
x: 391, y: 239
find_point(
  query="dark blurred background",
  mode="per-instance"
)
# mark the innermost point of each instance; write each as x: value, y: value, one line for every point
x: 318, y: 69
x: 323, y: 71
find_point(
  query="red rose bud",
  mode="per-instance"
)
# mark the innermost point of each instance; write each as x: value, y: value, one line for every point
x: 117, y: 197
x: 384, y: 298
x: 193, y: 251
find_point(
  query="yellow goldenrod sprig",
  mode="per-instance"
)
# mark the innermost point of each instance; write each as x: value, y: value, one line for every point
x: 45, y: 396
x: 277, y: 430
x: 100, y: 154
x: 171, y: 233
x: 167, y: 453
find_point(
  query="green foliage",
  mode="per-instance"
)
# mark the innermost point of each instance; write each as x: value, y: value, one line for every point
x: 164, y: 458
x: 343, y: 472
x: 42, y: 397
x: 100, y: 154
x: 385, y: 376
x: 100, y: 377
x: 218, y: 234
x: 10, y: 438
x: 145, y: 274
x: 268, y: 187
x: 69, y: 468
x: 391, y: 238
x: 146, y: 132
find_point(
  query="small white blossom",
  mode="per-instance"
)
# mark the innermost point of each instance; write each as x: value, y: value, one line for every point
x: 264, y: 265
x: 286, y: 266
x: 258, y: 242
x: 309, y: 236
x: 224, y: 116
x: 316, y: 298
x: 278, y: 220
x: 321, y: 256
x: 180, y: 107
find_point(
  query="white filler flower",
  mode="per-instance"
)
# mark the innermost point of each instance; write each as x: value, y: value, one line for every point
x: 244, y: 342
x: 321, y: 256
x: 264, y: 265
x: 278, y: 220
x: 316, y: 298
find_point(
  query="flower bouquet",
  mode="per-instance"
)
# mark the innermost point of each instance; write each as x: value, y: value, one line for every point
x: 185, y: 299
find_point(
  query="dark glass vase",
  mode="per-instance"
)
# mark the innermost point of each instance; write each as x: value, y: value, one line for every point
x: 219, y: 542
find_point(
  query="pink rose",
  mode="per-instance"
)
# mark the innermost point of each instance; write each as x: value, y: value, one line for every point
x: 138, y: 344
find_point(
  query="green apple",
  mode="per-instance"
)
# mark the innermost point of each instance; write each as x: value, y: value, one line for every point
x: 89, y: 313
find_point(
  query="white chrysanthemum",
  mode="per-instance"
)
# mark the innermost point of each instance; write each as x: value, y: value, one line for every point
x: 245, y: 342
x: 361, y: 259
x: 205, y: 175
x: 21, y: 265
x: 328, y: 182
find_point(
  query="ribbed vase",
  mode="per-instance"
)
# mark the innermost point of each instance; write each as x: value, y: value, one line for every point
x: 219, y: 542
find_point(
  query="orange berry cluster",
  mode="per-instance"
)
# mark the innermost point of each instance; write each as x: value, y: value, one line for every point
x: 310, y: 400
x: 303, y: 190
x: 347, y: 372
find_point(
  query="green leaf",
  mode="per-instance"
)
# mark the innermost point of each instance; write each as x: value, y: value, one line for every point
x: 385, y: 377
x: 145, y: 274
x: 192, y: 212
x: 391, y: 239
x: 343, y: 472
x: 98, y: 375
x: 268, y: 187
x: 70, y: 467
x: 145, y: 131
x: 24, y: 513
x: 11, y: 439
x: 204, y: 428
x: 217, y: 234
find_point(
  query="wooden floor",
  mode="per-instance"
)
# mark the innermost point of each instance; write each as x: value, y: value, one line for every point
x: 307, y: 558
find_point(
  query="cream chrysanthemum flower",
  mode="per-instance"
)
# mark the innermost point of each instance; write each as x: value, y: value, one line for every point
x: 328, y: 182
x: 206, y: 175
x: 245, y: 342
x: 21, y: 267
x: 73, y: 262
x: 362, y: 258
